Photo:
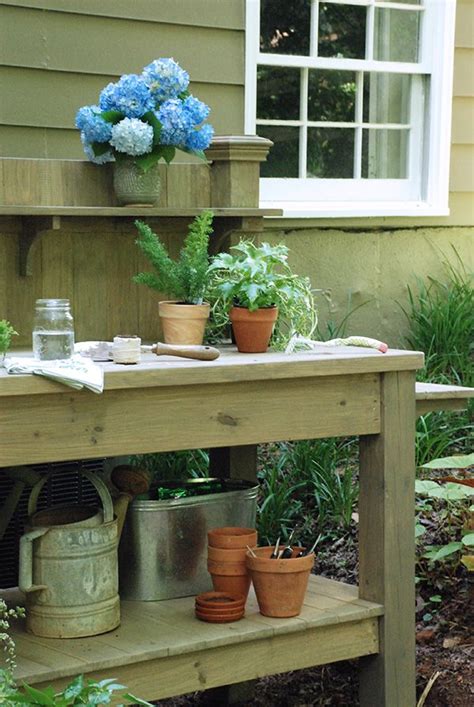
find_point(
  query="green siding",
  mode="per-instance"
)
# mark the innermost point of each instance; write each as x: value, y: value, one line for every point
x: 57, y: 56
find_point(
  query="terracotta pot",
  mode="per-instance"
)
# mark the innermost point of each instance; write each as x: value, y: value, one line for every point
x: 233, y: 555
x: 219, y: 602
x: 252, y: 330
x: 183, y: 323
x: 220, y: 618
x: 231, y: 577
x: 231, y: 537
x: 280, y: 585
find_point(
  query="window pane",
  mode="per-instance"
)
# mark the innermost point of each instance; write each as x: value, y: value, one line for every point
x: 396, y: 35
x: 331, y: 153
x: 284, y: 26
x: 331, y: 95
x: 384, y: 154
x: 387, y: 98
x: 341, y: 30
x: 282, y: 160
x: 278, y: 93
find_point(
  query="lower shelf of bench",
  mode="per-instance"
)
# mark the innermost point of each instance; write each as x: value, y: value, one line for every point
x: 161, y: 649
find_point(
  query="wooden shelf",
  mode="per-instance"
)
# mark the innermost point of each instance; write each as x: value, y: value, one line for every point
x: 161, y: 649
x: 38, y: 219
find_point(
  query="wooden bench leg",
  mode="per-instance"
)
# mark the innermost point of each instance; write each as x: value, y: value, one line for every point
x: 387, y: 544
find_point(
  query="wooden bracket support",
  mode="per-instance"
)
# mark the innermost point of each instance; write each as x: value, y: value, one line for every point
x: 31, y: 227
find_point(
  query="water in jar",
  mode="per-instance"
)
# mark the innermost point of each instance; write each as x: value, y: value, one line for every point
x: 50, y: 345
x: 53, y: 331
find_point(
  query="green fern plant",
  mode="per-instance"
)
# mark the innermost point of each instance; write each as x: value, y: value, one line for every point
x: 184, y: 279
x: 6, y: 333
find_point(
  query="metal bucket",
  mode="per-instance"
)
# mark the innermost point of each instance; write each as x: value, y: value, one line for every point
x: 163, y: 550
x: 68, y: 567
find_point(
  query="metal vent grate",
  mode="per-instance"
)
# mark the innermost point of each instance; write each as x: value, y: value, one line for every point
x: 65, y: 486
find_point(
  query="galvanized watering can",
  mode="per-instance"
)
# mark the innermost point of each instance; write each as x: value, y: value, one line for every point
x: 69, y: 567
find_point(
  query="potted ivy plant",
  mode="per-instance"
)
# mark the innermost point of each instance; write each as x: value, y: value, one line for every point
x: 184, y: 280
x: 258, y: 290
x: 6, y: 333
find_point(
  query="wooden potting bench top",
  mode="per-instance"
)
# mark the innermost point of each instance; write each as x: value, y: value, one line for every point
x: 235, y: 402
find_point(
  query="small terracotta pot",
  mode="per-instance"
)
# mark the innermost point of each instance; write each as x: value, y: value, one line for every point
x: 280, y: 585
x: 183, y: 323
x: 220, y: 618
x: 252, y: 330
x: 230, y: 537
x: 234, y: 555
x: 219, y: 602
x: 231, y: 577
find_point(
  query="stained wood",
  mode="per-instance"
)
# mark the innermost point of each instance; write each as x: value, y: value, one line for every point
x: 164, y: 638
x: 433, y: 396
x: 387, y: 543
x: 82, y: 425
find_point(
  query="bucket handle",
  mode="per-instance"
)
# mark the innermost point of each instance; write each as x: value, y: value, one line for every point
x: 25, y: 581
x: 95, y: 480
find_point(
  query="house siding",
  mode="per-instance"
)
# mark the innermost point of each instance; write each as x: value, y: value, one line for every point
x: 56, y: 55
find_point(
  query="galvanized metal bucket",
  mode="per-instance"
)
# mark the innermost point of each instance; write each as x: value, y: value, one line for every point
x: 163, y: 549
x: 68, y: 567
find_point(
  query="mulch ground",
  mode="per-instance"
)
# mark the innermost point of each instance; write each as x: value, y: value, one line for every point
x: 444, y: 645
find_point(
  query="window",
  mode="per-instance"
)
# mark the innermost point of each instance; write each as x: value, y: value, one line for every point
x: 356, y: 97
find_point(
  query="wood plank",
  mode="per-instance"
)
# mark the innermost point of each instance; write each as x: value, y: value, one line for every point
x: 387, y: 544
x: 433, y: 396
x: 230, y: 367
x: 35, y: 39
x: 464, y: 24
x: 235, y: 663
x: 80, y: 426
x: 463, y: 74
x: 208, y: 13
x: 129, y: 212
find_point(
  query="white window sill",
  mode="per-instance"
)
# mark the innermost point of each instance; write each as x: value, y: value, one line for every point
x: 360, y: 209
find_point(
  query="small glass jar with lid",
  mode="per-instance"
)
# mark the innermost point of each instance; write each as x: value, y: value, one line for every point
x: 53, y: 330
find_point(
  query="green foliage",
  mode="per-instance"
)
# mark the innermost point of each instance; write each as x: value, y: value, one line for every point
x: 310, y: 484
x: 440, y: 433
x: 79, y: 692
x: 442, y: 326
x: 259, y: 276
x: 173, y: 466
x: 186, y: 278
x: 6, y: 333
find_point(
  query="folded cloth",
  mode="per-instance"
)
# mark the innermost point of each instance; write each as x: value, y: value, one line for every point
x: 77, y: 372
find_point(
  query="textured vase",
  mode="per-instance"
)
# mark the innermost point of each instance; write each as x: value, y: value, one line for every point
x: 133, y: 186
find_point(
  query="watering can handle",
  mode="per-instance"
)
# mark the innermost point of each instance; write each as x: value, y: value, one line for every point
x: 95, y: 480
x: 26, y: 561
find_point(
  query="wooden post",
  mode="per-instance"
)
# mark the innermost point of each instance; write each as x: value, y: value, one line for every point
x: 235, y: 170
x: 387, y: 544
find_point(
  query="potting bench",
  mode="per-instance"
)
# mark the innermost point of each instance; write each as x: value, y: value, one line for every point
x: 236, y: 401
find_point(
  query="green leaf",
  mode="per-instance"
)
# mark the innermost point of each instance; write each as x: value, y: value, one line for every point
x: 468, y: 562
x: 439, y: 553
x: 419, y: 530
x: 112, y: 116
x: 468, y: 540
x: 151, y: 118
x: 74, y: 688
x: 436, y: 598
x: 459, y: 461
x: 40, y: 697
x: 100, y: 148
x: 137, y: 700
x: 447, y: 492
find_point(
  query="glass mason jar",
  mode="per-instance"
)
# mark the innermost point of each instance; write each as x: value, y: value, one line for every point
x: 53, y: 330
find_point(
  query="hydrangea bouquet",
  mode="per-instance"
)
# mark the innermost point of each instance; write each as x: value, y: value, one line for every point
x: 145, y: 117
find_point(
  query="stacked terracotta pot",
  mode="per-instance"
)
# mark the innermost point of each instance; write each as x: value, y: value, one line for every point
x: 219, y: 607
x: 226, y: 561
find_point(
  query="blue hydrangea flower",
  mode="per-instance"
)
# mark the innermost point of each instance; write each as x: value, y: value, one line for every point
x: 199, y: 139
x: 95, y: 128
x: 132, y: 136
x: 165, y: 79
x: 130, y: 95
x: 175, y: 121
x: 197, y: 110
x: 101, y: 159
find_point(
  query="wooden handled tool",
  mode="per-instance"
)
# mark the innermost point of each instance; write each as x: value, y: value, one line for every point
x: 201, y: 353
x: 130, y: 481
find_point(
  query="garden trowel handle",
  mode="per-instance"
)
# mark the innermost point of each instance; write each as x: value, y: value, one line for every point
x: 202, y: 353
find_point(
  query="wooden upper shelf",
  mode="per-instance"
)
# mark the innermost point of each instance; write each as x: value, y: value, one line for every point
x: 130, y: 211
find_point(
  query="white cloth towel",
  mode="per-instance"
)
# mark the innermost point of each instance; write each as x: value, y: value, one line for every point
x: 77, y: 372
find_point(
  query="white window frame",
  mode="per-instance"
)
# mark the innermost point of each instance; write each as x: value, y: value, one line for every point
x: 426, y: 190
